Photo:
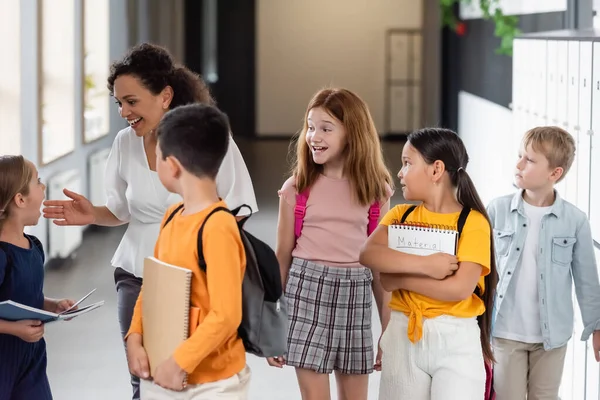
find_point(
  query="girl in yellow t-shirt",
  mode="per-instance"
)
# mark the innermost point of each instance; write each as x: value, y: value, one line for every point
x: 439, y: 332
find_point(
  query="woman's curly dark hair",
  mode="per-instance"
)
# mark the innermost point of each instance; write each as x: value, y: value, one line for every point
x: 154, y: 66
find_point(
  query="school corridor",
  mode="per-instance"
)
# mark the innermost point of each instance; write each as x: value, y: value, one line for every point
x: 415, y: 63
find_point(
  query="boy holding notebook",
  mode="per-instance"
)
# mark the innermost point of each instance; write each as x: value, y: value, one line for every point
x: 192, y: 142
x: 543, y: 246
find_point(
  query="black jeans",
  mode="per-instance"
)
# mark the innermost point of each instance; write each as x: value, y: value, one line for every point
x: 128, y: 289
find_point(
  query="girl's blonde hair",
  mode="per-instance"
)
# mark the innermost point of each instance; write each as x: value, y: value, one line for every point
x: 364, y: 164
x: 15, y: 176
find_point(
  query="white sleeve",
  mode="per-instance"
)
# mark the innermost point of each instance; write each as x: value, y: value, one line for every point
x: 115, y: 185
x: 233, y: 180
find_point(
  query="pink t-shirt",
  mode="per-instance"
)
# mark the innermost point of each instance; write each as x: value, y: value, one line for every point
x: 335, y: 225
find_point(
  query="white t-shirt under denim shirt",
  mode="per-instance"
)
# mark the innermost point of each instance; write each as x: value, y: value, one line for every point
x: 135, y: 195
x: 519, y: 319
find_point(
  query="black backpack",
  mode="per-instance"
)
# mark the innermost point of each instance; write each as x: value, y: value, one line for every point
x: 5, y: 286
x: 264, y: 326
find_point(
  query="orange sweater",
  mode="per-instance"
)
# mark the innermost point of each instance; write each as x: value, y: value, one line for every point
x: 214, y: 351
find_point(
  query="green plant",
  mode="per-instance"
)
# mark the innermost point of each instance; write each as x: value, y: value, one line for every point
x: 506, y: 25
x: 88, y: 84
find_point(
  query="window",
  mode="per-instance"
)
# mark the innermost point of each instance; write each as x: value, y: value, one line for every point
x: 58, y: 97
x: 96, y: 99
x: 10, y: 77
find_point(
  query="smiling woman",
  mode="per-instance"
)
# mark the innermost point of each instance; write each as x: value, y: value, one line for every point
x: 145, y: 85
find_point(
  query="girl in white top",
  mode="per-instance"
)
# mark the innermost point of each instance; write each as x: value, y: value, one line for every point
x: 145, y: 85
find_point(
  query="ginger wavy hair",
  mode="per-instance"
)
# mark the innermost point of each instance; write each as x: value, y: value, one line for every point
x: 364, y: 164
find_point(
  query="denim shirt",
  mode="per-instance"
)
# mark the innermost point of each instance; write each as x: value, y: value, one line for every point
x: 565, y: 256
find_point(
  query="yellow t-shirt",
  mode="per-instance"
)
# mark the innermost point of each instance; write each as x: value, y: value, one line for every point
x: 473, y: 246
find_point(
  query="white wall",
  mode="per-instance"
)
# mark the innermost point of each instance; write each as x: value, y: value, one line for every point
x: 486, y: 130
x: 305, y: 45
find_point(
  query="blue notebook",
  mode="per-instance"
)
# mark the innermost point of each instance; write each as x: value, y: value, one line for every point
x: 13, y: 311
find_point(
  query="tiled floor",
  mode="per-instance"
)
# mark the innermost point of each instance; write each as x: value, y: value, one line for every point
x: 86, y: 360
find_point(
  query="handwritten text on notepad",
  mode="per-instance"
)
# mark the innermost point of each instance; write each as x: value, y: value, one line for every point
x: 415, y: 243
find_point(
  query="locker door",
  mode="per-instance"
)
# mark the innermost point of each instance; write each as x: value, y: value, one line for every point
x: 527, y: 84
x: 517, y: 100
x: 541, y: 70
x: 595, y: 152
x: 519, y: 95
x: 573, y: 86
x: 552, y: 83
x: 573, y: 117
x: 562, y: 69
x: 585, y: 126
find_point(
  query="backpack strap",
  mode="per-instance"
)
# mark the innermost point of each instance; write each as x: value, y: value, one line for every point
x: 407, y: 213
x: 201, y: 261
x: 175, y: 211
x: 462, y: 219
x: 300, y: 211
x: 374, y: 213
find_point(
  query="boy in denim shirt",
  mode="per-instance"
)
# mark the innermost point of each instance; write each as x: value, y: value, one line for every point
x: 543, y: 245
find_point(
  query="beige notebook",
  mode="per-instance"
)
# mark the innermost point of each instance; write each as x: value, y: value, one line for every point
x: 165, y: 309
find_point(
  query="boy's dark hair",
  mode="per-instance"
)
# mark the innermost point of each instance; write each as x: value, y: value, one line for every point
x: 154, y: 66
x: 445, y: 145
x: 197, y: 135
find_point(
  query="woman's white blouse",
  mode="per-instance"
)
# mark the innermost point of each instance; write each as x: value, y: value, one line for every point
x: 135, y: 195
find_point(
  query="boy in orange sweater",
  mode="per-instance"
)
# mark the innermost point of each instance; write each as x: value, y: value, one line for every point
x: 192, y: 141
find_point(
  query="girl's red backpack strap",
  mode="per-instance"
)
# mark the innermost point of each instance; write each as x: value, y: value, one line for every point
x: 490, y: 393
x: 300, y: 211
x: 374, y: 213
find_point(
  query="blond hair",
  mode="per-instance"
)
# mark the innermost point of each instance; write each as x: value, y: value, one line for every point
x: 15, y: 176
x: 556, y: 144
x: 364, y: 165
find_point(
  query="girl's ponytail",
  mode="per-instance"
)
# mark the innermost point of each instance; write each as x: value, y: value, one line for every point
x: 467, y: 196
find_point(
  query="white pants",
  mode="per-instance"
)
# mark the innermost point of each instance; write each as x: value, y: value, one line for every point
x: 446, y: 364
x: 234, y: 388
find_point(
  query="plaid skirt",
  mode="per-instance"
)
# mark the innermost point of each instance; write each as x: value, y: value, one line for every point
x: 330, y: 312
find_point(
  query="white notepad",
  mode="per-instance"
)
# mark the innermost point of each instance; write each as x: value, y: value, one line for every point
x: 421, y: 240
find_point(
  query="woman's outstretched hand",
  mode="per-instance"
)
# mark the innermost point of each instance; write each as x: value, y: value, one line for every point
x: 77, y: 211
